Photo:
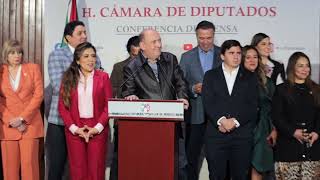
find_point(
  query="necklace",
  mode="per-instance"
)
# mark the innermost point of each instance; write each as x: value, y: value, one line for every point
x: 13, y: 76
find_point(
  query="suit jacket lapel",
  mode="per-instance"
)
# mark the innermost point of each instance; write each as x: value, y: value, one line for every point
x: 238, y: 82
x: 216, y: 58
x: 23, y: 76
x: 197, y: 62
x: 95, y: 88
x: 69, y: 53
x: 75, y: 98
x: 147, y: 69
x: 223, y: 82
x: 8, y: 83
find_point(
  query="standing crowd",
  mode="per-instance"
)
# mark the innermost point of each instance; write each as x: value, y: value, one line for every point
x: 248, y: 116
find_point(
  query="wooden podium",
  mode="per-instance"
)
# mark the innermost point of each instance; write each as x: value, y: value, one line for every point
x: 148, y: 138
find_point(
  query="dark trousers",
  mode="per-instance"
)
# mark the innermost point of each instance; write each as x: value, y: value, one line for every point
x: 56, y: 149
x: 194, y: 144
x: 220, y: 150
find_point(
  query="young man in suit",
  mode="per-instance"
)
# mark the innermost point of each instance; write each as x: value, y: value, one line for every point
x: 230, y: 98
x: 195, y: 63
x: 59, y: 60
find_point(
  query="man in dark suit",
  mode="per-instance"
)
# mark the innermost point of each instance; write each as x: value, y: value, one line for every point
x: 117, y: 72
x: 154, y: 74
x: 194, y: 64
x: 230, y: 99
x: 116, y: 81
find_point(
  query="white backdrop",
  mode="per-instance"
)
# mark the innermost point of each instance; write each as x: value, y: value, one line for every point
x: 293, y: 25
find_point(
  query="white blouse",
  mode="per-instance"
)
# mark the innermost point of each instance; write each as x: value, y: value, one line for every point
x: 14, y: 81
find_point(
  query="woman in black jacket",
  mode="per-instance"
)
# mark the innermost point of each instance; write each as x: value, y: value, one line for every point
x: 296, y: 115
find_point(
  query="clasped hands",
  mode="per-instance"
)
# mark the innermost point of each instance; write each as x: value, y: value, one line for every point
x: 86, y: 132
x: 18, y: 123
x: 227, y: 125
x: 303, y: 136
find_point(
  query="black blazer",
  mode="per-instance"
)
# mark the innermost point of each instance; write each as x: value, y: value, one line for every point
x: 278, y: 69
x: 142, y: 82
x: 290, y: 107
x: 242, y: 104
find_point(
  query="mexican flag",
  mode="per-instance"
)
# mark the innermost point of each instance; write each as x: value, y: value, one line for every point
x: 73, y: 16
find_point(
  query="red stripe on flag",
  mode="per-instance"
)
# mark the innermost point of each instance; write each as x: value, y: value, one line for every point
x: 73, y: 12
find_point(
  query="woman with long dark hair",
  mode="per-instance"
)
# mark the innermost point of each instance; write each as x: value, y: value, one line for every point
x: 273, y: 69
x: 264, y: 133
x: 296, y: 115
x: 83, y: 106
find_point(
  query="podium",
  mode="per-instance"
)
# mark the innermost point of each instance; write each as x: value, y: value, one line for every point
x: 147, y: 138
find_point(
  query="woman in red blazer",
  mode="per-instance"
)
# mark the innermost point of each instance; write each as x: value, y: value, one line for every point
x: 21, y: 93
x: 83, y: 106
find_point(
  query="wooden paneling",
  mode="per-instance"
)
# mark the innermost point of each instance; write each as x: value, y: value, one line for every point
x: 25, y: 31
x: 23, y: 20
x: 6, y: 22
x: 38, y: 30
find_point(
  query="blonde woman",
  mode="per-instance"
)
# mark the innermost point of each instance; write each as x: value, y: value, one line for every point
x: 21, y: 94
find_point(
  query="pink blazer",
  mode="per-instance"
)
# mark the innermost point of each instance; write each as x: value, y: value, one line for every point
x: 102, y: 91
x: 25, y: 102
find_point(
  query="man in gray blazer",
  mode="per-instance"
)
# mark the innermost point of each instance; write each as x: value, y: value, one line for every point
x: 194, y: 64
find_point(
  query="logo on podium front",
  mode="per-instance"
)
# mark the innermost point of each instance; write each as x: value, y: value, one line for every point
x: 145, y: 108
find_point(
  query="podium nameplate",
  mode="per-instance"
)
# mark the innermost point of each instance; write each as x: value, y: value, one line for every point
x: 146, y: 109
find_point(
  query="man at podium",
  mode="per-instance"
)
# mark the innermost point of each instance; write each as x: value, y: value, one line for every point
x: 154, y: 74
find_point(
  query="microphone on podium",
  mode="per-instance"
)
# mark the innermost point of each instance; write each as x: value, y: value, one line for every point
x: 132, y: 75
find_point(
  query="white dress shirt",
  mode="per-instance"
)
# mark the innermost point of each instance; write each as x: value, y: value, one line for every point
x: 71, y: 48
x: 230, y: 78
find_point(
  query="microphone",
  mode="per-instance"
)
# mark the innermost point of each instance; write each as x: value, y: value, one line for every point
x: 173, y: 89
x: 132, y: 75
